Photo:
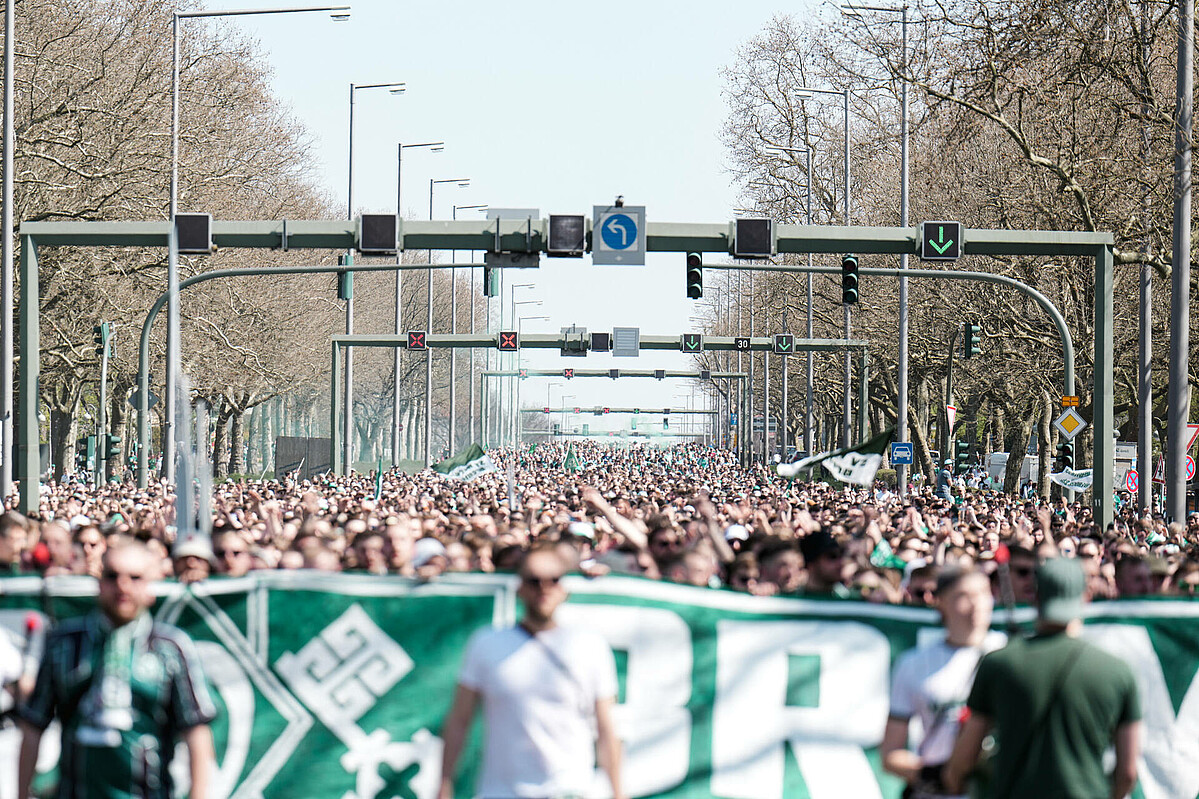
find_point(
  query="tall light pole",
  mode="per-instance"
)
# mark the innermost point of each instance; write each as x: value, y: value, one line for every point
x: 1180, y: 286
x: 852, y: 9
x: 338, y: 13
x: 6, y: 263
x: 462, y: 183
x: 470, y: 417
x: 454, y: 329
x: 347, y: 440
x: 504, y: 425
x: 804, y: 93
x: 436, y: 147
x: 807, y: 438
x: 517, y: 420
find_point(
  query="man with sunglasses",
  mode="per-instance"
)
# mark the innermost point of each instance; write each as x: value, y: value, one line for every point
x: 543, y: 689
x: 125, y: 689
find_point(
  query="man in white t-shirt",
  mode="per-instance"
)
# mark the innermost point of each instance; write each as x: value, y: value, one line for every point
x: 12, y: 669
x: 932, y: 683
x: 547, y: 694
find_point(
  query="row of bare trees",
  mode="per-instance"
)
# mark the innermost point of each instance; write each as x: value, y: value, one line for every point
x: 93, y: 101
x: 1033, y: 115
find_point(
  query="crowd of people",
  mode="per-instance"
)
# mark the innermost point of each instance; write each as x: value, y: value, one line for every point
x: 688, y: 514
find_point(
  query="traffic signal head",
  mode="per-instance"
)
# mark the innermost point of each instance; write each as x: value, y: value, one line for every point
x: 1067, y: 449
x: 695, y: 276
x: 491, y: 281
x: 962, y: 461
x: 973, y: 339
x: 100, y: 336
x: 849, y: 279
x: 112, y: 446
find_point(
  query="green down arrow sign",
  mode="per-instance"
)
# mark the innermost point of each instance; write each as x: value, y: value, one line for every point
x: 784, y: 343
x: 940, y: 241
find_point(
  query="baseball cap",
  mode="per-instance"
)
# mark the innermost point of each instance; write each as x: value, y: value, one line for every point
x: 1060, y: 586
x: 197, y: 546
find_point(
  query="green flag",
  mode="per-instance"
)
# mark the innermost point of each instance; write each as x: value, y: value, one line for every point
x: 572, y: 463
x: 850, y: 465
x: 379, y: 481
x: 468, y: 464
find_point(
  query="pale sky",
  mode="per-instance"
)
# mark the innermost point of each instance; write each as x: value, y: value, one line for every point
x: 547, y: 104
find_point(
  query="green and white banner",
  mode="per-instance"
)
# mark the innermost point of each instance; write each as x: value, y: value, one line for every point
x: 468, y: 464
x: 336, y: 685
x: 1073, y: 479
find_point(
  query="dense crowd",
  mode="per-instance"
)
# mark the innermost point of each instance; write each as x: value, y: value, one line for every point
x: 688, y: 514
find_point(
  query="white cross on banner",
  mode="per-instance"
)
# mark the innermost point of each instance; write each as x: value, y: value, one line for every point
x: 951, y: 415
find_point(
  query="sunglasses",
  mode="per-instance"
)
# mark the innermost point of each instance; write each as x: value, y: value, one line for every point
x: 112, y: 576
x: 540, y: 582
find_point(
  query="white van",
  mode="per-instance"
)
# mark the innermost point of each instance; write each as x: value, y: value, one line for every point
x: 997, y: 468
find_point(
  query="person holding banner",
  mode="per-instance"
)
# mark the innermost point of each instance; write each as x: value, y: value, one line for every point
x: 932, y: 682
x: 543, y: 689
x: 125, y: 688
x: 1055, y: 703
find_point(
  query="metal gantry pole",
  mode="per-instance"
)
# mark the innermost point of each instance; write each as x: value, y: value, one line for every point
x: 1145, y: 344
x: 902, y: 382
x: 168, y: 390
x: 347, y: 441
x: 7, y: 452
x: 397, y: 322
x: 1180, y: 285
x: 847, y: 397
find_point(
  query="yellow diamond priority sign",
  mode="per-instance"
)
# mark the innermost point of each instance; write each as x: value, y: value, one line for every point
x: 1069, y: 424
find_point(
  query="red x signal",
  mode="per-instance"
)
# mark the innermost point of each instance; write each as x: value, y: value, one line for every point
x: 509, y: 341
x: 547, y: 410
x: 416, y: 340
x: 568, y: 373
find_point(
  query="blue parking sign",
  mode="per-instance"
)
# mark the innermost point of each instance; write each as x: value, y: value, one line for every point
x: 901, y: 453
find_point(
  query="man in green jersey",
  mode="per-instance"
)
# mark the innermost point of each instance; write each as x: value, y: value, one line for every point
x: 1055, y: 704
x: 125, y: 688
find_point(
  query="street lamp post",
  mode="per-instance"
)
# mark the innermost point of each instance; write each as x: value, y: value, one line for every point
x: 803, y: 93
x: 807, y: 152
x: 454, y: 329
x: 851, y: 9
x: 506, y: 426
x: 462, y: 182
x: 436, y: 147
x: 347, y: 439
x: 518, y: 416
x: 339, y: 13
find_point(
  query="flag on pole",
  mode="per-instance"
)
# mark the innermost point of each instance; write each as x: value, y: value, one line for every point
x: 571, y: 462
x: 379, y: 481
x: 856, y: 465
x: 1073, y: 479
x: 468, y: 464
